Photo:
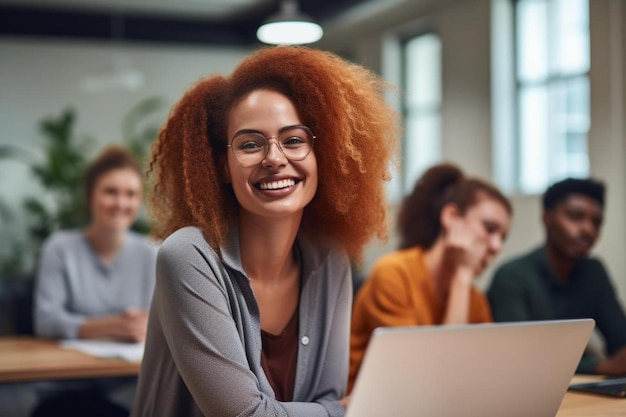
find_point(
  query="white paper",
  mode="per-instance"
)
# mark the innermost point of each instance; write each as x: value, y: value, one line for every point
x: 107, y: 349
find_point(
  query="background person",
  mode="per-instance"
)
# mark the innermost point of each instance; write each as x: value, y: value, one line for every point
x: 97, y: 282
x: 267, y: 183
x: 559, y: 280
x: 451, y: 228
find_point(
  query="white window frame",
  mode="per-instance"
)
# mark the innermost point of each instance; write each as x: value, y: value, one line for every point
x: 531, y: 153
x: 427, y: 149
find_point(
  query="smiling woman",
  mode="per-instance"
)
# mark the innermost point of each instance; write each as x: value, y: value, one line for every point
x: 114, y: 197
x: 288, y: 180
x: 267, y: 183
x: 96, y: 282
x: 89, y: 278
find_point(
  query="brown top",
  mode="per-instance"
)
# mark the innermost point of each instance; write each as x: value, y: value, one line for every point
x: 278, y: 358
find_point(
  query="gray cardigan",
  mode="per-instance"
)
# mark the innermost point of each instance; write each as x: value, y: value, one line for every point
x: 203, y: 347
x: 73, y: 284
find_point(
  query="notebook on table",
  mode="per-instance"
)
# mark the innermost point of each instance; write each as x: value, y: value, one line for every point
x: 483, y: 370
x: 612, y: 387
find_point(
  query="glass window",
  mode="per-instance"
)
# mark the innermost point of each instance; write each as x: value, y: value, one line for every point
x: 551, y: 97
x: 421, y: 106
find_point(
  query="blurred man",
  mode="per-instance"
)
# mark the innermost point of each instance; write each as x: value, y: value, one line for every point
x: 559, y: 280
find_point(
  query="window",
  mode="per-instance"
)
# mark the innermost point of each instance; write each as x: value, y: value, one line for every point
x: 421, y: 106
x: 548, y: 134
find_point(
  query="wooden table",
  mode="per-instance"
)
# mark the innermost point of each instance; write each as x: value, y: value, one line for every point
x: 579, y: 404
x: 24, y: 358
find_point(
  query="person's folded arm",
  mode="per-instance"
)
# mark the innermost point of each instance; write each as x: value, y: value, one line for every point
x: 128, y: 326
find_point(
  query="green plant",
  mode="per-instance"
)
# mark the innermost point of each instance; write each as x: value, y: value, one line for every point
x: 61, y: 174
x: 59, y: 171
x: 139, y: 129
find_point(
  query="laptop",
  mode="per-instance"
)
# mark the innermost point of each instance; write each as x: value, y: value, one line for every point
x: 516, y: 369
x: 611, y: 387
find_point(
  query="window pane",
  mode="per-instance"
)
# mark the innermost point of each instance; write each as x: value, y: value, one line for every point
x: 572, y: 37
x: 572, y: 109
x: 422, y: 102
x: 532, y: 48
x: 421, y: 147
x: 552, y: 91
x: 533, y: 130
x: 423, y: 70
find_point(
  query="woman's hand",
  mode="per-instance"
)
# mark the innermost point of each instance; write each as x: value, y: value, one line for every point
x: 464, y: 252
x: 464, y: 249
x: 344, y: 401
x: 129, y: 326
x: 615, y: 365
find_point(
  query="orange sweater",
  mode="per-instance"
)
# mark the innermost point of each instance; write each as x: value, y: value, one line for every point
x: 399, y: 292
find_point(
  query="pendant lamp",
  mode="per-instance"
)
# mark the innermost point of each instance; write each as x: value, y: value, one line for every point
x: 289, y: 27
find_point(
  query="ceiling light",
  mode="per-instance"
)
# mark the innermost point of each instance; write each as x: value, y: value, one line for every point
x: 289, y: 27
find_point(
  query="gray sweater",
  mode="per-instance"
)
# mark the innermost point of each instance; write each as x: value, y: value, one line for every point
x: 203, y: 349
x: 73, y: 283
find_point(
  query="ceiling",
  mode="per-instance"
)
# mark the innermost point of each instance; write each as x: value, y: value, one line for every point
x: 217, y: 22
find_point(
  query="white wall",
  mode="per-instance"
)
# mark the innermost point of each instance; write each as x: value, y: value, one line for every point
x: 40, y: 78
x: 464, y: 26
x: 607, y: 147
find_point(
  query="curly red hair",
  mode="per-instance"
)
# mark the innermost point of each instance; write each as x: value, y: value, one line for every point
x: 343, y: 103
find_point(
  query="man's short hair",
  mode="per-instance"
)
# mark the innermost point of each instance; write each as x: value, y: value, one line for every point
x: 559, y: 191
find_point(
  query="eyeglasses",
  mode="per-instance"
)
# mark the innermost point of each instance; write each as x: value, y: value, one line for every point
x: 250, y: 147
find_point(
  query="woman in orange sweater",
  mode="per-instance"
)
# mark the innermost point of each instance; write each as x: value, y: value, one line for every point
x: 451, y: 228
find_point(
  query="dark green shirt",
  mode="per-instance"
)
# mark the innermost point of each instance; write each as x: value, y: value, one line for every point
x: 526, y: 288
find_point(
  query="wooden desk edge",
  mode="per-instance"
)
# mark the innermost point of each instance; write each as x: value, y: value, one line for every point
x: 112, y: 370
x: 86, y: 366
